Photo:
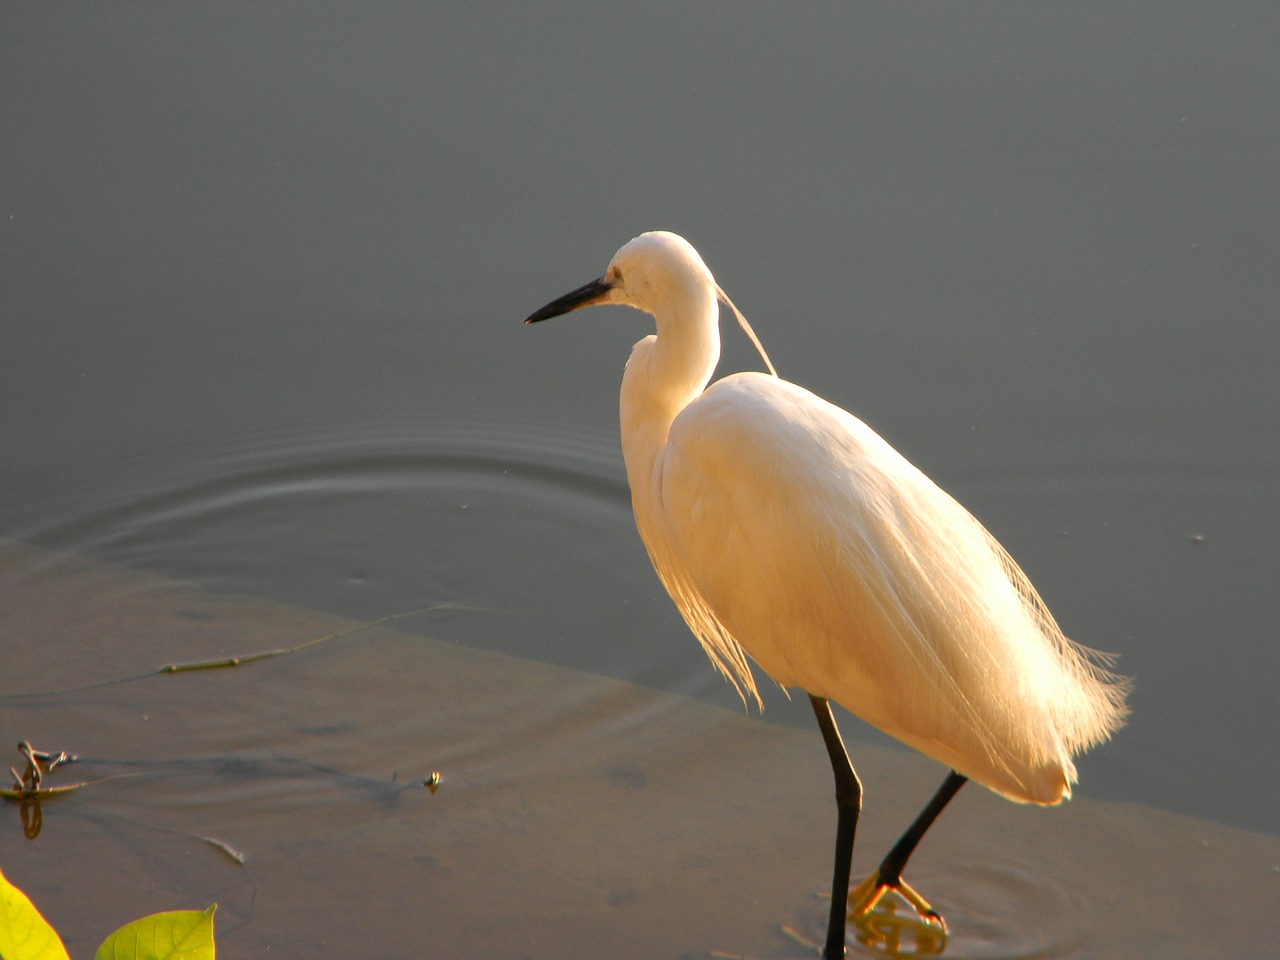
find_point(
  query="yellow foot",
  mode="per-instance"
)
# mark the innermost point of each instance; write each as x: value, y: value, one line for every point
x: 920, y: 932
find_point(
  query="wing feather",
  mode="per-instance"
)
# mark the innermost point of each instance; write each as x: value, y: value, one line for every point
x: 791, y: 530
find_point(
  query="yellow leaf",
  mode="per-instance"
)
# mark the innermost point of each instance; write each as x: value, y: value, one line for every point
x: 176, y: 935
x: 24, y: 934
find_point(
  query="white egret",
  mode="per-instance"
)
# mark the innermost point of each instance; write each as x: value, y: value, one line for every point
x: 787, y: 531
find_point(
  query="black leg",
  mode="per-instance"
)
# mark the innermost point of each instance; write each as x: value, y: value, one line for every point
x: 848, y: 806
x: 896, y: 861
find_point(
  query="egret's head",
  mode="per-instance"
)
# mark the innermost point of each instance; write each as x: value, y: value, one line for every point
x: 651, y: 271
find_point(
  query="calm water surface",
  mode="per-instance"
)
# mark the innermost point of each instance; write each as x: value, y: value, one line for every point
x: 264, y: 378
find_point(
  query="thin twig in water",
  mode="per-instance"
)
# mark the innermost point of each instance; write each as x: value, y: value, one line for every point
x: 236, y: 661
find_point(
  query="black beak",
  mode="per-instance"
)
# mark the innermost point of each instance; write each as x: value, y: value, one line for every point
x: 584, y: 296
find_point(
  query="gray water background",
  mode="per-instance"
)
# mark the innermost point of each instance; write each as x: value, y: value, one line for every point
x: 262, y: 272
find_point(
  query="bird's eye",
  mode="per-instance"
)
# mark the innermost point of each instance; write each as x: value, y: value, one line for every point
x: 615, y: 276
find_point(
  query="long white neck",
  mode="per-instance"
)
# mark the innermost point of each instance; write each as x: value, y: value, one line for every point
x: 664, y: 374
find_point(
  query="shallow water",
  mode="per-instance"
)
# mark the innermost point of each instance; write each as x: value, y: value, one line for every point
x: 572, y: 811
x: 265, y: 376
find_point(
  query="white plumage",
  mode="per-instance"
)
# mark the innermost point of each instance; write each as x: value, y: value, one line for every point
x: 787, y: 531
x: 866, y: 584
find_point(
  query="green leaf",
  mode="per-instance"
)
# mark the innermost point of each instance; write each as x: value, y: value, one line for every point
x: 177, y: 935
x: 24, y: 934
